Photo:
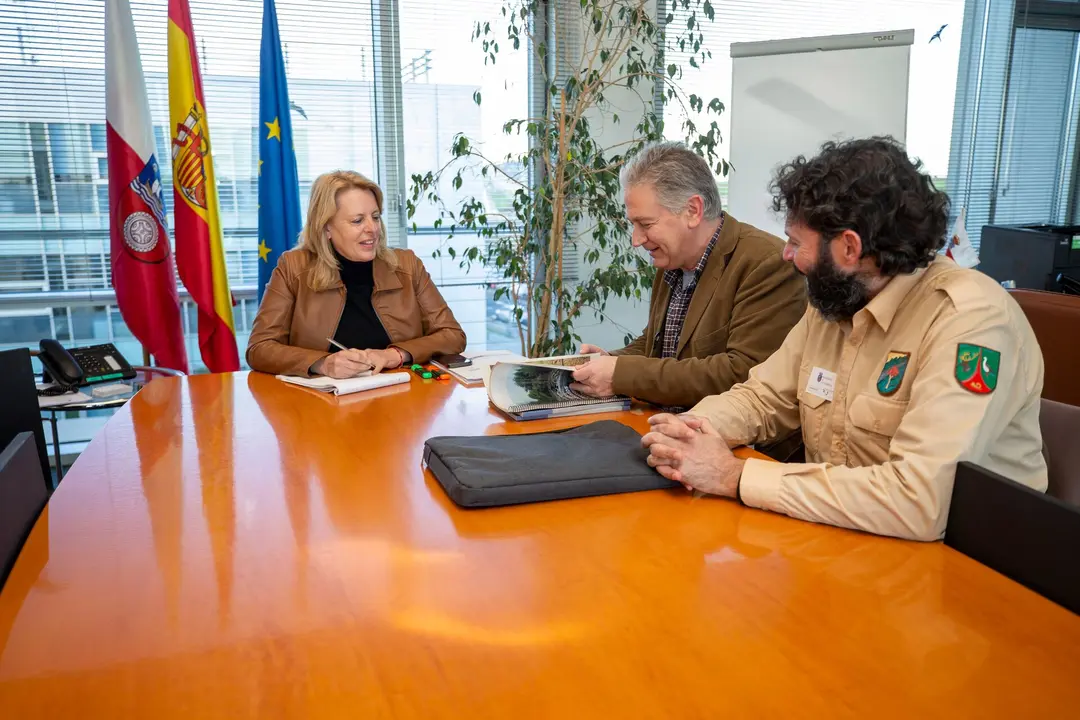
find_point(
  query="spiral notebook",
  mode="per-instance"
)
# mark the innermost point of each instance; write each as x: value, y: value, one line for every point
x: 537, y: 389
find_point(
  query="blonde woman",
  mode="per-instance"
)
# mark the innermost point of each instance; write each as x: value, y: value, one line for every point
x: 343, y: 282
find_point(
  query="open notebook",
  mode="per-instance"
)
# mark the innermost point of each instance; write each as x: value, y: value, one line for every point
x: 367, y: 381
x: 540, y: 388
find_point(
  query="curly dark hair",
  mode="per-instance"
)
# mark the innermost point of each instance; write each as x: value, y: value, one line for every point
x: 872, y: 187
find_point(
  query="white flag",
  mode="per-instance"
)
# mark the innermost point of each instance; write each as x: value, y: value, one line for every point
x: 960, y: 248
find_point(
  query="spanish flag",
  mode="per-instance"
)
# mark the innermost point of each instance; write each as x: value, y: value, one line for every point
x: 200, y: 257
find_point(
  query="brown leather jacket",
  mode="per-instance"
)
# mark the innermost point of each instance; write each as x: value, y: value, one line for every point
x: 289, y: 334
x: 746, y: 301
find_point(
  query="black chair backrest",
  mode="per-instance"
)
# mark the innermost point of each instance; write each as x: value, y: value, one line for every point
x: 1060, y: 425
x: 22, y: 496
x: 1024, y: 534
x: 21, y: 412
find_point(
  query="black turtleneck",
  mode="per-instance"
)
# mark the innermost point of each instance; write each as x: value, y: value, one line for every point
x: 359, y: 326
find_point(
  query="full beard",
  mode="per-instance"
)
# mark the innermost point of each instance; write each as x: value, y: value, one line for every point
x: 832, y: 292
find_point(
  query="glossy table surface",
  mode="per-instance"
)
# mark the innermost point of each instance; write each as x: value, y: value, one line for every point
x: 230, y: 546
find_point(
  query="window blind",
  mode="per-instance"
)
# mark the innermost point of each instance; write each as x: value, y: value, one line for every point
x: 52, y: 110
x: 1014, y: 154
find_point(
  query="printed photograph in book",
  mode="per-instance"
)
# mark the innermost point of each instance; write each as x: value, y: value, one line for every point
x: 541, y: 385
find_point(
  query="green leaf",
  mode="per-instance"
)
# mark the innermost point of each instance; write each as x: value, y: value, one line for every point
x: 476, y: 97
x: 672, y: 69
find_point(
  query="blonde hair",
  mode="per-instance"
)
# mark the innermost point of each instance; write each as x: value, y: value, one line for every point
x: 326, y: 270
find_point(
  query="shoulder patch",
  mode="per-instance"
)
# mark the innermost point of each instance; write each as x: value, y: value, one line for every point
x: 977, y: 368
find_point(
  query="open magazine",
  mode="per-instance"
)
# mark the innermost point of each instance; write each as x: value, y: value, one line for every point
x: 535, y: 389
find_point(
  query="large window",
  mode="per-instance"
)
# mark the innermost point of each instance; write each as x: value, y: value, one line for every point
x: 932, y: 86
x: 377, y: 86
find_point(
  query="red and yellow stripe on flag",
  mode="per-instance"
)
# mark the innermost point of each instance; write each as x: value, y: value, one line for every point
x: 200, y: 257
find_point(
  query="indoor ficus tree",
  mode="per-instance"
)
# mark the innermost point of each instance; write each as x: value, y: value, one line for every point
x: 566, y: 199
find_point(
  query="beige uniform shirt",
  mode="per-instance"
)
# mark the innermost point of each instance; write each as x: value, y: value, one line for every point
x: 940, y: 367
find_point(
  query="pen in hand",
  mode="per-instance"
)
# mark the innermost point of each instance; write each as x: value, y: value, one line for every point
x: 338, y: 345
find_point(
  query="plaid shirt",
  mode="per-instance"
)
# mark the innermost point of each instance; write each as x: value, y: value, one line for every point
x: 680, y: 298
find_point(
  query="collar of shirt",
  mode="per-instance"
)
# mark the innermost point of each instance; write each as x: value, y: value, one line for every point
x: 673, y: 277
x: 883, y: 306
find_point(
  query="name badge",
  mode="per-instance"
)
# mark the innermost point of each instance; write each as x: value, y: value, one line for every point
x: 821, y: 383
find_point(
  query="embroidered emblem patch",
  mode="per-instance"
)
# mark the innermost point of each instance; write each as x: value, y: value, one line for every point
x: 977, y: 368
x: 892, y: 374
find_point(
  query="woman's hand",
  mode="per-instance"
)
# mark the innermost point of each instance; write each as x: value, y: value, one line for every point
x: 380, y: 360
x: 343, y: 364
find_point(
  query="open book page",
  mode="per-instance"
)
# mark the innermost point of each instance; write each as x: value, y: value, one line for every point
x: 563, y: 362
x: 513, y: 387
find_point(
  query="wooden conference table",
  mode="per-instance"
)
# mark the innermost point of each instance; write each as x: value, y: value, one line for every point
x: 229, y: 547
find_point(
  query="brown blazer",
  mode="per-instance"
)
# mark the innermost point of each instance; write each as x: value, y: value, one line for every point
x: 290, y: 331
x: 746, y: 301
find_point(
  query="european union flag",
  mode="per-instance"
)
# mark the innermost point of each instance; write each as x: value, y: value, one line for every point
x: 279, y: 187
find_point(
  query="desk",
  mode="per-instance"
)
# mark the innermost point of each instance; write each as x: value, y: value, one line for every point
x: 144, y: 374
x: 232, y: 547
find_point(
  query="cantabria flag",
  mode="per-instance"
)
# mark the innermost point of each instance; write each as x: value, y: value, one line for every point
x: 141, y: 255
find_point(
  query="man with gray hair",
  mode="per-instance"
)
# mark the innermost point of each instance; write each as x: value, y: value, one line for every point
x: 723, y: 302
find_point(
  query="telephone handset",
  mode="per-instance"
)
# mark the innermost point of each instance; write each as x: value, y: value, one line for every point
x: 82, y: 366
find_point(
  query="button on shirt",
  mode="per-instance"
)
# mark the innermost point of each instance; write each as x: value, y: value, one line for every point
x: 940, y: 367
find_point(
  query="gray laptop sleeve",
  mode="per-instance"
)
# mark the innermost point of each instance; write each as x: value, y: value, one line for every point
x: 602, y: 458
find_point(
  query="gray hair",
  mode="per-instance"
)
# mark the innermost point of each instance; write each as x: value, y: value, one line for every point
x: 676, y: 173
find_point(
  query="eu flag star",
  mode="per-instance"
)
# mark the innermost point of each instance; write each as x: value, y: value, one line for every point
x: 275, y: 130
x: 264, y: 251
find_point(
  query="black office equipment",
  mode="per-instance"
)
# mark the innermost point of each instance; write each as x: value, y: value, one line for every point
x: 1036, y: 257
x: 1024, y: 534
x: 83, y: 365
x: 21, y: 413
x: 601, y: 458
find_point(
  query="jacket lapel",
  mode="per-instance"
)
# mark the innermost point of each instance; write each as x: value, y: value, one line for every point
x: 709, y: 280
x: 658, y: 302
x: 386, y: 277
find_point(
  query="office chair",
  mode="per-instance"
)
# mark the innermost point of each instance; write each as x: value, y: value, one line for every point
x: 21, y: 412
x: 1021, y: 533
x: 23, y: 494
x: 1055, y: 319
x: 1060, y: 425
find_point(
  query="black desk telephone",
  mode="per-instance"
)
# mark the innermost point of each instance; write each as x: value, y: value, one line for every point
x: 82, y: 366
